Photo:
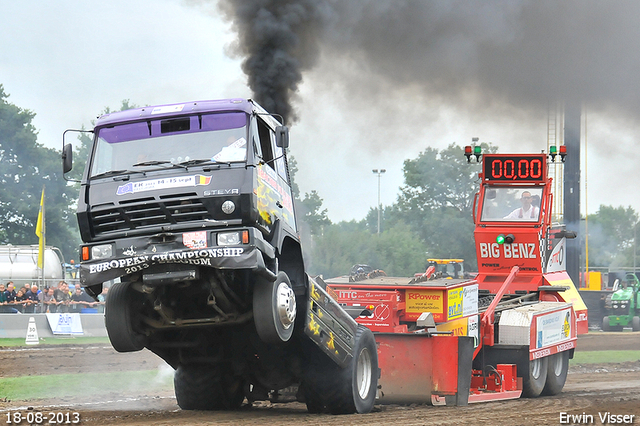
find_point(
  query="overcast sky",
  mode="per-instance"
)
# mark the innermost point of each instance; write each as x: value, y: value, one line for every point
x: 389, y: 79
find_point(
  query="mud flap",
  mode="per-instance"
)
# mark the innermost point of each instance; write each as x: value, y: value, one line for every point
x: 329, y: 326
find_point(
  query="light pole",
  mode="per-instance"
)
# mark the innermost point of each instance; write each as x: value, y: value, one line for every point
x: 379, y: 173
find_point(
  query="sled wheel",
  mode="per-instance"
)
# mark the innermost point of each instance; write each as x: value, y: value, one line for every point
x: 274, y: 309
x: 121, y: 307
x: 204, y: 387
x: 558, y: 366
x: 605, y: 324
x: 359, y: 379
x: 635, y: 323
x: 534, y: 377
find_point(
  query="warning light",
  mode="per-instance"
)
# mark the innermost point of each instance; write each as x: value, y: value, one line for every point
x: 553, y: 151
x: 468, y: 151
x: 563, y: 152
x: 475, y: 151
x: 371, y: 307
x: 505, y: 239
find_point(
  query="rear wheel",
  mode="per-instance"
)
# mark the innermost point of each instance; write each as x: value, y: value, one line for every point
x: 121, y: 307
x: 359, y: 380
x: 274, y: 309
x: 534, y: 377
x: 207, y: 387
x: 558, y: 366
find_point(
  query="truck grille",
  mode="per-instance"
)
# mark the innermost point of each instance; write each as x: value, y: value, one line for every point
x: 148, y: 213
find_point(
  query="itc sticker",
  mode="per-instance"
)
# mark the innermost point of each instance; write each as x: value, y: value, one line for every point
x: 195, y: 240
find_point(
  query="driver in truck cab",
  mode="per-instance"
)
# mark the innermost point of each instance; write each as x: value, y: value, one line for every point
x: 527, y: 211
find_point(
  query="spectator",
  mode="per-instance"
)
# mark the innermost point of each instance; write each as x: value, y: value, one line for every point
x: 10, y: 294
x: 49, y: 301
x: 63, y: 297
x: 11, y: 289
x: 32, y: 297
x: 21, y: 300
x: 3, y: 300
x: 80, y: 300
x: 102, y: 298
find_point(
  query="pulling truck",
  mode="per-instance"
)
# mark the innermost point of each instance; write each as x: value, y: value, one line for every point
x: 509, y: 332
x: 187, y: 209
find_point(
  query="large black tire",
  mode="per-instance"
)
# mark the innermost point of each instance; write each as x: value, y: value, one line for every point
x: 635, y: 323
x: 358, y: 382
x: 557, y: 369
x: 205, y: 387
x: 121, y: 307
x: 605, y: 324
x: 534, y: 377
x: 274, y: 309
x: 327, y: 388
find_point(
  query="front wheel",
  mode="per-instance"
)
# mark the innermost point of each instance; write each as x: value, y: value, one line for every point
x: 274, y: 309
x: 121, y: 307
x: 635, y: 323
x: 556, y: 373
x: 605, y: 324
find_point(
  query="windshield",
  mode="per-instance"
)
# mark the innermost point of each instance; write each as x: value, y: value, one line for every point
x: 511, y: 204
x: 153, y: 144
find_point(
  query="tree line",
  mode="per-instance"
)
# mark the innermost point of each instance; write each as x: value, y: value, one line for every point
x: 431, y: 216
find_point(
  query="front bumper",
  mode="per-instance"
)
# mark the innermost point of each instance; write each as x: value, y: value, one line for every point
x: 135, y: 255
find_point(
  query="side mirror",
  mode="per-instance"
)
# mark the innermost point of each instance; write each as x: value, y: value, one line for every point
x: 67, y: 158
x: 282, y: 137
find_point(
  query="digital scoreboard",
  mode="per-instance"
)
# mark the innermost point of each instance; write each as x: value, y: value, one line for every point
x: 514, y: 168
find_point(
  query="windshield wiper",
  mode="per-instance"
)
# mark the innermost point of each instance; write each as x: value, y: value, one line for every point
x: 116, y: 172
x: 151, y: 163
x: 159, y: 163
x: 195, y: 162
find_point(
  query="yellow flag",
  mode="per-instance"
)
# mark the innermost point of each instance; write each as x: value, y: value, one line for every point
x: 40, y: 232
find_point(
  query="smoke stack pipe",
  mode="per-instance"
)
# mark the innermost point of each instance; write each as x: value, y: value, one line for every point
x: 572, y: 115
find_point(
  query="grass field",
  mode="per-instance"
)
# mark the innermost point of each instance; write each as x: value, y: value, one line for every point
x: 604, y: 357
x: 72, y: 340
x: 70, y: 385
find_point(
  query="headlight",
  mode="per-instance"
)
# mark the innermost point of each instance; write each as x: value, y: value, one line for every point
x: 232, y: 238
x: 103, y: 251
x: 228, y: 207
x: 229, y: 238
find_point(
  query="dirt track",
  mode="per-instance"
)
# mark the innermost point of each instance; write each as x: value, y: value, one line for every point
x: 613, y: 388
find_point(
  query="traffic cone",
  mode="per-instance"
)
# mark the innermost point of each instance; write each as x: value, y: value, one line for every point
x: 32, y: 333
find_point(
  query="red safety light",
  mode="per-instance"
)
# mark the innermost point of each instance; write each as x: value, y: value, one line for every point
x: 563, y: 152
x: 467, y: 152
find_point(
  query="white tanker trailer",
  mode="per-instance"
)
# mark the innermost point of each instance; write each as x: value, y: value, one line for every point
x: 20, y: 265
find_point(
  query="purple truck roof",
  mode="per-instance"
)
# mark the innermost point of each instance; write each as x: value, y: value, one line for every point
x: 158, y: 111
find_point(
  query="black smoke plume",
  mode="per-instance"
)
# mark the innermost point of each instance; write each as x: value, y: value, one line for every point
x: 278, y: 40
